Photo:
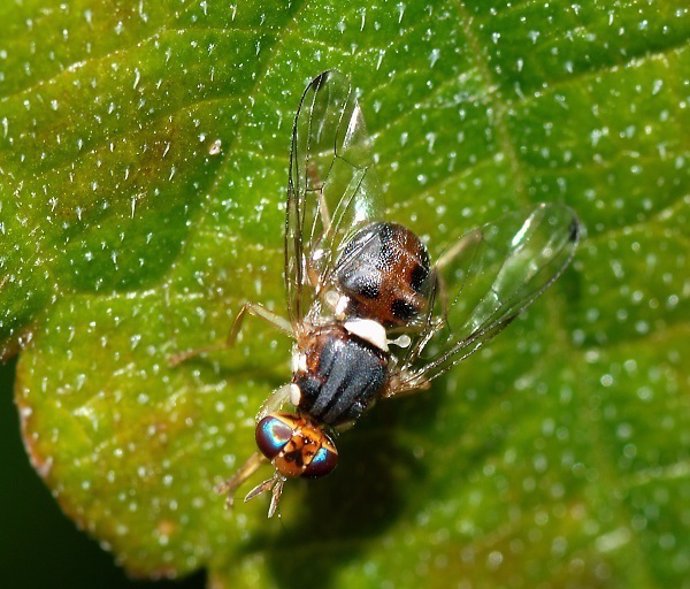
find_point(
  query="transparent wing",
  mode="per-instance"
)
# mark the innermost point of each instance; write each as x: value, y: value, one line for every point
x: 485, y: 280
x: 331, y: 189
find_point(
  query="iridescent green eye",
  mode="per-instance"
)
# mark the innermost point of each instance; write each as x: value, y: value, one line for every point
x: 272, y: 433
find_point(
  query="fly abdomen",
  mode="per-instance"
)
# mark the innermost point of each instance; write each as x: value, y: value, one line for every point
x: 385, y: 273
x: 344, y: 375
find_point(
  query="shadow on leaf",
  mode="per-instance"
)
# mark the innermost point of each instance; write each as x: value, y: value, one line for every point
x: 376, y: 479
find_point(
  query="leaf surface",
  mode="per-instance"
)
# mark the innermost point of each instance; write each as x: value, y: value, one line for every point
x: 143, y: 164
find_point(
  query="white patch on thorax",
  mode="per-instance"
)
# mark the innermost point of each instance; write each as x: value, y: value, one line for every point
x: 295, y: 394
x: 338, y: 302
x: 298, y: 361
x: 331, y: 297
x: 341, y: 307
x: 369, y: 330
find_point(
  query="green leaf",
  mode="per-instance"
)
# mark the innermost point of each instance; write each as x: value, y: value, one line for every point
x: 143, y: 163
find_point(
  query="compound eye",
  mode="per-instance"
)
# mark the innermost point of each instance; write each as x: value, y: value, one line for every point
x: 324, y: 461
x: 272, y: 433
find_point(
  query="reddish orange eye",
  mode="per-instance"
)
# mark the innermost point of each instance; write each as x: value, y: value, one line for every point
x: 272, y: 433
x: 295, y: 446
x: 324, y: 461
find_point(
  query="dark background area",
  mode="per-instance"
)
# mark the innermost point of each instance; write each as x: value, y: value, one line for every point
x: 39, y: 546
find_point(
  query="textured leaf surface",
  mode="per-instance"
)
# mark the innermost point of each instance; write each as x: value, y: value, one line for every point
x: 143, y: 158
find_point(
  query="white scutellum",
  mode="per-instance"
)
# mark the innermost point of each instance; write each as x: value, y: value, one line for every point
x: 369, y: 330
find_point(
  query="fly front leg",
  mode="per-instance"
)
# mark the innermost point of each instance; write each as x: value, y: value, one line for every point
x: 230, y: 486
x: 275, y: 484
x: 278, y: 398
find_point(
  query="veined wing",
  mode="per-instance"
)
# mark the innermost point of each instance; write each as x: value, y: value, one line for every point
x: 486, y: 279
x: 331, y: 190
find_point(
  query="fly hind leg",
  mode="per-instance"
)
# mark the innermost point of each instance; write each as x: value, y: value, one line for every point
x: 257, y: 310
x: 253, y: 309
x: 462, y: 252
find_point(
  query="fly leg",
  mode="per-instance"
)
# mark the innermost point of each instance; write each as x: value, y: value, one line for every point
x: 463, y: 247
x: 277, y: 399
x: 231, y: 485
x: 275, y: 486
x: 258, y: 311
x: 253, y: 309
x: 331, y: 221
x: 274, y: 402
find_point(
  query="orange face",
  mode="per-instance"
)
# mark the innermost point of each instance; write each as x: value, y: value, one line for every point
x: 296, y: 446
